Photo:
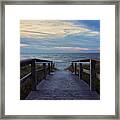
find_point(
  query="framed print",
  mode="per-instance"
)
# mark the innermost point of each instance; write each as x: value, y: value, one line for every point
x: 59, y: 59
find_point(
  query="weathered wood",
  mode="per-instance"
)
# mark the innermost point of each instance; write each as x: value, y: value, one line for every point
x: 65, y: 82
x: 53, y: 65
x: 49, y: 68
x: 25, y: 62
x: 75, y: 68
x: 28, y: 82
x: 23, y: 79
x: 72, y: 67
x: 28, y: 61
x: 44, y: 69
x: 80, y: 70
x: 33, y: 76
x: 92, y: 74
x: 86, y: 60
x: 39, y: 60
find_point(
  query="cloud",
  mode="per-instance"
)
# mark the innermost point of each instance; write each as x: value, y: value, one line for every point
x: 92, y: 33
x: 50, y: 29
x: 72, y: 48
x: 75, y: 49
x: 24, y: 45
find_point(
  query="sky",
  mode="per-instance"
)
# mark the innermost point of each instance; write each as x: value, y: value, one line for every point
x: 60, y: 36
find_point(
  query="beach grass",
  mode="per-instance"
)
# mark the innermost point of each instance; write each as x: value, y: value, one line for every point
x: 27, y: 69
x: 27, y: 85
x: 86, y: 76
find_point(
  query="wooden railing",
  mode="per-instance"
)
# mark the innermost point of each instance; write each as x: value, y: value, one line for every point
x: 35, y: 73
x: 91, y: 74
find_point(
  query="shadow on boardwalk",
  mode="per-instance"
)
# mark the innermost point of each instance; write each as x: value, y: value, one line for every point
x: 62, y: 85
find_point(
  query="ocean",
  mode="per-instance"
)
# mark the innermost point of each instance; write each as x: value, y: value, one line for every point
x: 62, y: 60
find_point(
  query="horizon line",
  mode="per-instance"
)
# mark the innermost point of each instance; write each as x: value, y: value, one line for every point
x: 59, y: 53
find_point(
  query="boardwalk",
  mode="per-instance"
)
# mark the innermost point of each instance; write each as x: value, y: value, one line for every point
x: 62, y: 85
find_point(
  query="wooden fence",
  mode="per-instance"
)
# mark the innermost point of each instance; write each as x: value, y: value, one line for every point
x: 91, y: 74
x: 36, y: 72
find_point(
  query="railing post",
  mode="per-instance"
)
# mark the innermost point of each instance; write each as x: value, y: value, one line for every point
x: 80, y: 71
x: 33, y: 74
x: 75, y: 68
x: 72, y: 67
x: 44, y: 70
x: 49, y: 68
x: 92, y: 74
x: 53, y: 65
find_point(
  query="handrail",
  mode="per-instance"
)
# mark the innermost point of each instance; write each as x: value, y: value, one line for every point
x: 39, y: 60
x: 25, y: 62
x: 25, y: 77
x: 85, y: 60
x: 33, y: 83
x: 82, y: 60
x: 93, y: 74
x: 39, y: 69
x: 88, y: 72
x: 28, y: 61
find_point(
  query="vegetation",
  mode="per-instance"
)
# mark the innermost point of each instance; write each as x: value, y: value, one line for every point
x: 27, y: 85
x: 86, y: 76
x: 27, y: 69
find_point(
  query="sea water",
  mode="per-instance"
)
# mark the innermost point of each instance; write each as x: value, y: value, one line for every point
x: 62, y: 60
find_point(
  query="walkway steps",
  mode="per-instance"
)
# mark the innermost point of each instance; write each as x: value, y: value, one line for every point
x: 62, y: 85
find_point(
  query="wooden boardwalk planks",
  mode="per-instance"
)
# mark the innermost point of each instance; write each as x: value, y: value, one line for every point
x: 62, y: 85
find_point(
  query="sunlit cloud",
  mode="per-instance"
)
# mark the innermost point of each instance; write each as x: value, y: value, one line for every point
x: 24, y: 45
x: 75, y: 49
x: 71, y: 48
x: 63, y: 48
x: 50, y: 29
x: 92, y: 33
